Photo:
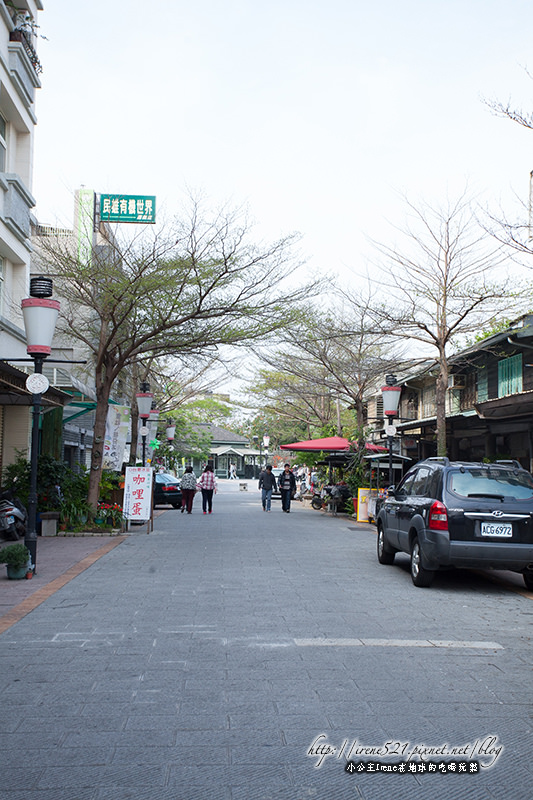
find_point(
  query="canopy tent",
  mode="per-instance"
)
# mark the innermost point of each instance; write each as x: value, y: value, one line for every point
x: 330, y: 444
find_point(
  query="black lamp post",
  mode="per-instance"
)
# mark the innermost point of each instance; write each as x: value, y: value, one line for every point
x: 170, y: 431
x: 391, y: 400
x: 144, y: 404
x: 256, y: 442
x: 40, y: 316
x: 153, y: 417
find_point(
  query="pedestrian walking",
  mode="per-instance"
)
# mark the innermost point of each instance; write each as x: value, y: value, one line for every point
x: 267, y: 483
x: 188, y: 490
x: 287, y: 487
x: 208, y: 484
x: 233, y: 472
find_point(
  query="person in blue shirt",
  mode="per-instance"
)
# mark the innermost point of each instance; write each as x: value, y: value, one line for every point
x: 267, y: 483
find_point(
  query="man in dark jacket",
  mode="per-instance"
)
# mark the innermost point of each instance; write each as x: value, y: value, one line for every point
x: 267, y: 482
x: 287, y: 486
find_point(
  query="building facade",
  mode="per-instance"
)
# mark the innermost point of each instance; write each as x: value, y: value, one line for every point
x: 489, y: 402
x: 19, y: 80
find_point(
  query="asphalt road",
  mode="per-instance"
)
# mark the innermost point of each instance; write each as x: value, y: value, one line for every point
x: 248, y: 655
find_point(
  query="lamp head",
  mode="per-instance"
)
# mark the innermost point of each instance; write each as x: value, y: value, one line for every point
x: 40, y: 314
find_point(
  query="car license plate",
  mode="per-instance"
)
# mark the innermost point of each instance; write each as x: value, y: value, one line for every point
x: 496, y: 529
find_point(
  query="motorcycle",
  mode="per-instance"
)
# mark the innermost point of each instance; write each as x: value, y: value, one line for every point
x: 336, y: 492
x: 13, y: 518
x: 317, y: 499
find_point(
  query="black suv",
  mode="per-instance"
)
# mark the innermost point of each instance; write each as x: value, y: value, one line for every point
x: 459, y: 514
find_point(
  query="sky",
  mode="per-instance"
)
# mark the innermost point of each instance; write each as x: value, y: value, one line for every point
x: 319, y: 116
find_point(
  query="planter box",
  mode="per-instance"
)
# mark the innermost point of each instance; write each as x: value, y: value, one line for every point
x: 16, y: 573
x: 49, y: 521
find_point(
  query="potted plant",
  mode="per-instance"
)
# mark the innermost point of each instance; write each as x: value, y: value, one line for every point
x: 110, y: 513
x: 16, y: 557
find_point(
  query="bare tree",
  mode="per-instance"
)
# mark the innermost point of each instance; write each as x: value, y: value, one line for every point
x: 339, y: 356
x: 443, y: 283
x: 174, y: 384
x: 203, y: 285
x: 509, y: 111
x: 291, y: 401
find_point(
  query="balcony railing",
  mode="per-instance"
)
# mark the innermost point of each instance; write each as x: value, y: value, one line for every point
x: 19, y: 35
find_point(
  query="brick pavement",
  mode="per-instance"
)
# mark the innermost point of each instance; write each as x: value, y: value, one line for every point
x: 203, y: 660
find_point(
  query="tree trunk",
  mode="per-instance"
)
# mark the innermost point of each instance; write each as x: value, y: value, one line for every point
x: 134, y: 432
x: 103, y: 392
x: 440, y: 402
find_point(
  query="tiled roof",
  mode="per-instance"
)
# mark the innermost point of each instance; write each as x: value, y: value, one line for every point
x: 221, y: 434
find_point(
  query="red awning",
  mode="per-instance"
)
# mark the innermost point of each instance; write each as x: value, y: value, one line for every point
x: 331, y: 443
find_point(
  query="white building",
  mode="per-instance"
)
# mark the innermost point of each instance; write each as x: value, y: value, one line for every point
x: 19, y: 78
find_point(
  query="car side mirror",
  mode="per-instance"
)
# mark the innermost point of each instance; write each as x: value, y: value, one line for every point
x: 391, y: 491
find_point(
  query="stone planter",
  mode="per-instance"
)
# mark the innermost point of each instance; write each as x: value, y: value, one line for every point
x: 16, y: 573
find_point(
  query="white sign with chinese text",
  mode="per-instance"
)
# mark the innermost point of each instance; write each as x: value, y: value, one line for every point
x: 138, y: 493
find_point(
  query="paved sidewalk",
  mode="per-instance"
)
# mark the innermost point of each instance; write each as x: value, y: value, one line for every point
x: 59, y: 560
x: 203, y: 660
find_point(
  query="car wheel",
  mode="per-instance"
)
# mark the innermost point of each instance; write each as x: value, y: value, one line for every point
x: 420, y: 576
x: 175, y: 505
x: 385, y: 556
x: 528, y: 580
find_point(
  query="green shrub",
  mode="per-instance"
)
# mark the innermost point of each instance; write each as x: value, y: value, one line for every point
x: 51, y: 474
x: 15, y: 555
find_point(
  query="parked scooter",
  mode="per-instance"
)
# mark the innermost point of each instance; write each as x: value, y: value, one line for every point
x: 316, y: 500
x: 13, y: 517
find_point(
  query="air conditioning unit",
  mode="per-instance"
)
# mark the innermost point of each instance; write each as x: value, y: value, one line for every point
x: 456, y: 381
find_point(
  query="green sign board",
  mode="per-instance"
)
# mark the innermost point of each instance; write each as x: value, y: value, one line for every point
x: 127, y: 208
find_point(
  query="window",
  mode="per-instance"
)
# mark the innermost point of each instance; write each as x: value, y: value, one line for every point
x: 510, y: 375
x: 2, y: 275
x: 482, y: 385
x: 419, y: 484
x: 3, y: 145
x: 434, y: 483
x: 406, y: 484
x: 491, y: 482
x: 428, y: 402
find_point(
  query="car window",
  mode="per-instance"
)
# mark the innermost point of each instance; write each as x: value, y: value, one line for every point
x: 163, y: 477
x: 404, y: 487
x: 478, y: 481
x: 418, y: 487
x: 434, y: 483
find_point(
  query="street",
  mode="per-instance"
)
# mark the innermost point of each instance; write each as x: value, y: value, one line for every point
x: 245, y: 655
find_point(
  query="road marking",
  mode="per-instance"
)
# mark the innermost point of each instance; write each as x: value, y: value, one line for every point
x: 323, y: 642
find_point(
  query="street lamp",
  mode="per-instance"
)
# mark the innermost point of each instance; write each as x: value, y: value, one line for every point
x: 256, y: 442
x: 266, y: 442
x: 391, y: 400
x: 153, y: 418
x: 144, y: 404
x: 170, y: 431
x: 40, y: 314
